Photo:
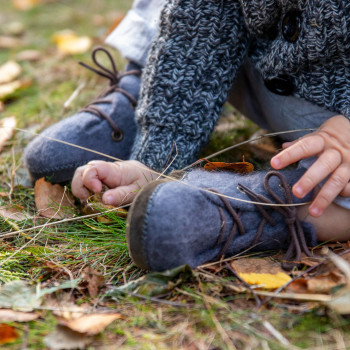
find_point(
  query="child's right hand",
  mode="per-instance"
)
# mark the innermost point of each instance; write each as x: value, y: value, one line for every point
x: 124, y: 180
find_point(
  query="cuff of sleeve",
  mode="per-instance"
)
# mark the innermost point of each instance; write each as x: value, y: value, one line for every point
x: 163, y: 150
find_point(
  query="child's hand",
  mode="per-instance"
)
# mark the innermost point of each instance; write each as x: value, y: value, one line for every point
x: 331, y: 144
x: 123, y: 178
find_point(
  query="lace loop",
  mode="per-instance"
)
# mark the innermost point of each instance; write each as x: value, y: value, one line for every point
x: 114, y: 78
x: 296, y: 236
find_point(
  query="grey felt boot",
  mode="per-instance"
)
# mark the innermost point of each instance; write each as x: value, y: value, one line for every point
x: 173, y: 223
x: 107, y: 125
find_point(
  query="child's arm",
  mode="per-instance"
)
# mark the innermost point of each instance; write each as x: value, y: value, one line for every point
x: 331, y: 144
x: 124, y: 179
x: 191, y: 67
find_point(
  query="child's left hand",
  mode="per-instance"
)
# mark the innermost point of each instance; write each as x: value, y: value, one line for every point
x: 331, y: 144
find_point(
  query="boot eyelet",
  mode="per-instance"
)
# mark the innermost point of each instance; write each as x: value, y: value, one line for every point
x: 117, y: 136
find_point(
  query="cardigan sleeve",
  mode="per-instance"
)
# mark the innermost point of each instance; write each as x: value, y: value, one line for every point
x: 191, y: 67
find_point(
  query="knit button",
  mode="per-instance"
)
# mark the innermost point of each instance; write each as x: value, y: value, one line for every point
x: 281, y: 85
x: 291, y: 25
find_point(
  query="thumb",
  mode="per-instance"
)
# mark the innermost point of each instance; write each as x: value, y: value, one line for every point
x: 121, y: 195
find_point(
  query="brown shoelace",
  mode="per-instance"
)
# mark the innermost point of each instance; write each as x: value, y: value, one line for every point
x: 297, y: 241
x: 114, y: 78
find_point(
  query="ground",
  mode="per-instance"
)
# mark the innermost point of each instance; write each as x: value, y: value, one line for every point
x: 208, y: 308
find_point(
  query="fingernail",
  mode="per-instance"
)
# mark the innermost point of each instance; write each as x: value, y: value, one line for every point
x: 298, y: 191
x: 109, y: 199
x: 275, y: 162
x: 314, y: 211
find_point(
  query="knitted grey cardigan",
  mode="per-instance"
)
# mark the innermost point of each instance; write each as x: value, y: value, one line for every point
x: 200, y: 48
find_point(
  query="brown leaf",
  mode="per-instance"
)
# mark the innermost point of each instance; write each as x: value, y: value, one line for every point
x: 29, y: 55
x: 325, y: 282
x: 13, y: 213
x: 256, y: 265
x: 64, y: 338
x: 53, y: 201
x: 7, y: 333
x: 7, y: 315
x: 90, y: 324
x: 94, y: 280
x: 9, y: 71
x: 9, y: 42
x: 298, y: 286
x: 7, y: 127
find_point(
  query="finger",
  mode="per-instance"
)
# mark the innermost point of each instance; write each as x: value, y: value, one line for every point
x: 346, y: 191
x: 303, y: 148
x: 334, y: 185
x: 288, y: 144
x: 121, y: 195
x: 78, y: 188
x: 91, y: 176
x: 327, y: 162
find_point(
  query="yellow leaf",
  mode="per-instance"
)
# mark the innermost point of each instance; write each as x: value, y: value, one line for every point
x: 69, y: 43
x: 266, y: 280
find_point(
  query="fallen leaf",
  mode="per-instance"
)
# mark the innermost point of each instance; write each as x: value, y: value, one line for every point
x: 90, y: 324
x: 14, y: 28
x: 53, y: 201
x: 325, y: 282
x: 7, y: 315
x: 7, y: 127
x: 237, y: 167
x: 64, y: 338
x: 94, y: 280
x: 13, y: 213
x: 8, y: 333
x: 266, y: 280
x: 29, y: 55
x: 156, y: 283
x: 256, y: 265
x: 19, y: 295
x: 298, y: 286
x: 6, y: 90
x: 24, y: 4
x: 9, y: 71
x: 69, y: 43
x: 9, y: 42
